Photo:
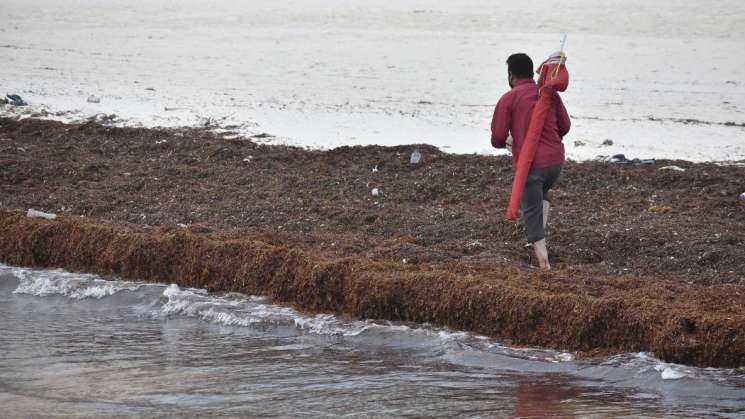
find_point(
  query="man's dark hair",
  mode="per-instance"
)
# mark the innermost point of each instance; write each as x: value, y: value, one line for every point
x: 520, y: 65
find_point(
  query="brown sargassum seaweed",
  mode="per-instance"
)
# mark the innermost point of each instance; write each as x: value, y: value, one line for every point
x: 678, y: 322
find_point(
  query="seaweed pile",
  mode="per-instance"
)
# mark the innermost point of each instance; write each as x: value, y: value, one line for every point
x: 646, y: 259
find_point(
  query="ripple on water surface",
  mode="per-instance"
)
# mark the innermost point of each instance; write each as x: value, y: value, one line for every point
x: 80, y: 345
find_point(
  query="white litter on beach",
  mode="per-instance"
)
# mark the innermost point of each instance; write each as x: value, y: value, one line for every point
x: 675, y: 168
x: 416, y: 158
x: 32, y: 213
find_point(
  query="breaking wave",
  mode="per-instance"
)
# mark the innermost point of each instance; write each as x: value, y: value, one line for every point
x: 77, y: 286
x: 255, y: 313
x: 238, y: 310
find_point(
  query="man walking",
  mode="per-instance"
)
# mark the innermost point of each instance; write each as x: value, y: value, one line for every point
x: 512, y: 116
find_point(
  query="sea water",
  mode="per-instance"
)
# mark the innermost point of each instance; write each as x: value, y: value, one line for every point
x: 77, y: 345
x: 659, y: 78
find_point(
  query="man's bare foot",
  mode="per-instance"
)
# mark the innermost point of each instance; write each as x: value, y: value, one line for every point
x: 541, y: 253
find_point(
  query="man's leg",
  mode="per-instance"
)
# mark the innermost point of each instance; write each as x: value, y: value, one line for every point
x: 532, y: 208
x: 551, y: 174
x: 541, y: 253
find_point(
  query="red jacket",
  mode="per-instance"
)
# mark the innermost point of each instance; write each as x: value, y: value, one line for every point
x: 512, y: 115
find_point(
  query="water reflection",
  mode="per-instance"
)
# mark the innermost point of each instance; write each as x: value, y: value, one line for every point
x: 534, y: 398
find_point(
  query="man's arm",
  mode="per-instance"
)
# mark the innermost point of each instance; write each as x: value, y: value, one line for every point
x: 500, y: 124
x: 562, y: 117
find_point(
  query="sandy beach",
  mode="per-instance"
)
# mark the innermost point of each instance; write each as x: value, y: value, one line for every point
x: 660, y: 79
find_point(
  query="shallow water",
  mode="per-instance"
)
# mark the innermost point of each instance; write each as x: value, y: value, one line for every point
x: 659, y: 78
x: 74, y: 345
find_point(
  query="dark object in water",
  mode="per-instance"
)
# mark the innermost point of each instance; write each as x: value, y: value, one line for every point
x: 15, y: 100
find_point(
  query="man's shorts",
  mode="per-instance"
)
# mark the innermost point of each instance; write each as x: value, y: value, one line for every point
x: 537, y: 189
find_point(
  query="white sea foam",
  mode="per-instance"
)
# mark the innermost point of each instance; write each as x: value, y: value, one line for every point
x: 670, y: 373
x: 238, y: 310
x: 77, y: 286
x: 644, y: 362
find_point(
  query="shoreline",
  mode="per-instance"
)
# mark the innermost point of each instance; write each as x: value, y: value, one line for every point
x: 301, y: 227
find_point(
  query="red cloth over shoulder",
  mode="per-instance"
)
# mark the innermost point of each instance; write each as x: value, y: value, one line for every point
x: 512, y: 115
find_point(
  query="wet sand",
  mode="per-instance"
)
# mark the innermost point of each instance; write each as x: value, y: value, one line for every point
x: 645, y: 259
